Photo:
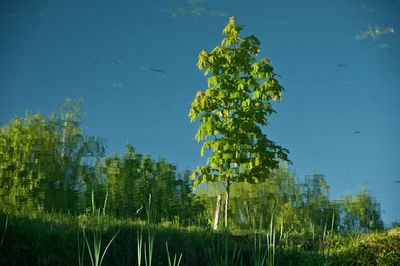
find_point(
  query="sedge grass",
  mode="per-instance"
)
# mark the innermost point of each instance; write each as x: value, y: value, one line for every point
x: 95, y: 253
x: 4, y: 232
x: 139, y: 245
x: 271, y: 247
x: 175, y: 262
x: 221, y: 254
x: 148, y: 250
x: 259, y: 256
x: 285, y: 247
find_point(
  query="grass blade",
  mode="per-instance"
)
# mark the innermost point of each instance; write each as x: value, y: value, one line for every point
x: 108, y: 245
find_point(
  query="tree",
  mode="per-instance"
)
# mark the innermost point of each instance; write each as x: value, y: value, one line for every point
x: 232, y: 111
x: 130, y: 180
x: 42, y: 159
x: 317, y: 208
x: 27, y: 157
x: 361, y: 212
x: 276, y: 200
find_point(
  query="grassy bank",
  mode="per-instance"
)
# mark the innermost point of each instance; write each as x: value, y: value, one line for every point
x: 54, y: 239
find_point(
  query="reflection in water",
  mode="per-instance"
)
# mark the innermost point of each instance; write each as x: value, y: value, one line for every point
x: 49, y: 158
x: 117, y: 85
x: 383, y: 46
x: 120, y: 63
x: 374, y: 32
x: 49, y: 164
x: 194, y: 8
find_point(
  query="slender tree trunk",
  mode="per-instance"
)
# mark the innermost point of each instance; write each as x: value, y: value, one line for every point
x: 228, y: 184
x: 216, y: 215
x: 64, y: 138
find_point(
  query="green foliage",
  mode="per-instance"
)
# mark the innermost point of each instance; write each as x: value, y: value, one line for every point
x: 47, y: 163
x: 362, y: 212
x: 130, y: 179
x: 233, y: 109
x: 365, y: 249
x: 26, y: 153
x: 315, y: 204
x: 294, y: 206
x: 42, y: 160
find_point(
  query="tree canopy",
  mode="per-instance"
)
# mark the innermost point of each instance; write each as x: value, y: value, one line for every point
x: 234, y: 108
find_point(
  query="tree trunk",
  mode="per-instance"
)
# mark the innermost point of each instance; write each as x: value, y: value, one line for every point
x: 216, y: 215
x: 228, y: 184
x: 64, y: 138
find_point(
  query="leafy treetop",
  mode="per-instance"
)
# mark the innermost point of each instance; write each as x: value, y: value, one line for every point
x: 233, y: 109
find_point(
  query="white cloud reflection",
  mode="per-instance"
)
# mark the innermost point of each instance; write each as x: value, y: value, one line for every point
x: 374, y: 32
x: 194, y: 8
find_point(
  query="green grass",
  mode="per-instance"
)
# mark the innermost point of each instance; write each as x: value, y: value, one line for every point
x: 95, y: 253
x: 176, y: 261
x: 56, y: 239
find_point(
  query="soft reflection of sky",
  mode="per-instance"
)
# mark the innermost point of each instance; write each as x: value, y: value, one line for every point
x: 133, y: 62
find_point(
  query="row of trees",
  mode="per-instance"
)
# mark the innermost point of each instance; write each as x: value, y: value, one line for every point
x: 45, y: 160
x: 48, y: 163
x: 135, y: 181
x: 296, y: 206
